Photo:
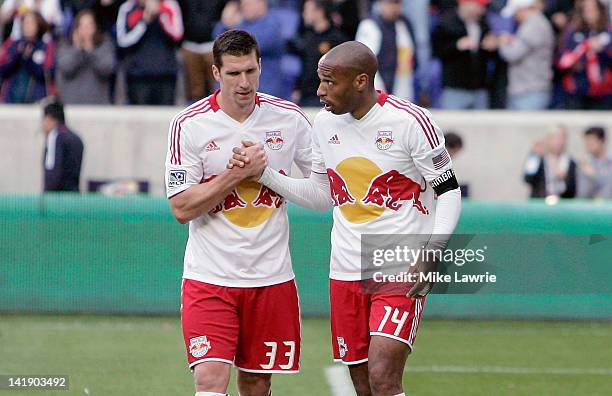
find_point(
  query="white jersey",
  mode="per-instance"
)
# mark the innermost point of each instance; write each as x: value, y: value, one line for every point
x: 379, y: 169
x: 244, y: 241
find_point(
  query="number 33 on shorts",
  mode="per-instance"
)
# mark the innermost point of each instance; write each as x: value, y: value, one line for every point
x: 273, y: 353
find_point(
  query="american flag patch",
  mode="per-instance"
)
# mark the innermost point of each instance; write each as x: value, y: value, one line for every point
x: 440, y: 160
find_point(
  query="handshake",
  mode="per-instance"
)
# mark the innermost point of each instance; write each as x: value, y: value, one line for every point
x: 249, y: 161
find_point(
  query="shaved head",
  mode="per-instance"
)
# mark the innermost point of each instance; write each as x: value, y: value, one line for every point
x: 347, y: 74
x: 351, y: 56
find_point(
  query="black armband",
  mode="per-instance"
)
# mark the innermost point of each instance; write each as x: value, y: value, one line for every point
x: 445, y: 182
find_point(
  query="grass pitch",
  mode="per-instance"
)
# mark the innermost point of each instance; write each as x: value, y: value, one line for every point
x: 124, y: 356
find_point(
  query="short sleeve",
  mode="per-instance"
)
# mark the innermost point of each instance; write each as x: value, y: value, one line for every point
x: 303, y: 147
x: 183, y: 165
x: 425, y: 142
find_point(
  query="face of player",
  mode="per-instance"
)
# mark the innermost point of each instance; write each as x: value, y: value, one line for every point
x: 336, y: 90
x: 239, y: 78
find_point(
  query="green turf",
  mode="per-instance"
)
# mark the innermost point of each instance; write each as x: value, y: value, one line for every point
x: 143, y: 356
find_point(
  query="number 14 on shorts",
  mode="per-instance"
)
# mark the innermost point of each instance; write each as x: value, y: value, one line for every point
x: 289, y: 355
x: 395, y: 318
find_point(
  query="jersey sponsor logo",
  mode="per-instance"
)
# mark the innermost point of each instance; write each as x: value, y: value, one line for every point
x: 342, y: 347
x: 249, y: 204
x: 176, y: 178
x: 334, y: 139
x: 440, y: 160
x: 388, y: 189
x: 268, y: 197
x: 212, y: 146
x: 384, y: 140
x: 274, y: 140
x: 449, y: 174
x: 378, y: 191
x: 340, y: 193
x: 199, y: 346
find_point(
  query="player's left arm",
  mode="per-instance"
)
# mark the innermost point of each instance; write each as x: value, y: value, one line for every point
x: 425, y: 142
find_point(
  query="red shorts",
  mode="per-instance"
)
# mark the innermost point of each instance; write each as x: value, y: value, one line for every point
x: 257, y: 329
x: 356, y: 316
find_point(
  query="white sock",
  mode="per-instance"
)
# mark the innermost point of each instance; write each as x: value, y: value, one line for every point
x: 401, y: 394
x: 210, y: 394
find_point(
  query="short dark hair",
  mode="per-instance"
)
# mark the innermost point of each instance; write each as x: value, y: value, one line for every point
x: 55, y: 110
x: 453, y: 140
x: 234, y: 42
x: 596, y: 131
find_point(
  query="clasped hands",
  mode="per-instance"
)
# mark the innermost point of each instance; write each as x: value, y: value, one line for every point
x: 250, y: 160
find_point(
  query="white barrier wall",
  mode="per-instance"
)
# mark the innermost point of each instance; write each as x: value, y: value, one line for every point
x: 130, y: 142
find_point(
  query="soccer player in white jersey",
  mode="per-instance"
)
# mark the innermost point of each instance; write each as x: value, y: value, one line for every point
x: 381, y: 159
x: 239, y: 301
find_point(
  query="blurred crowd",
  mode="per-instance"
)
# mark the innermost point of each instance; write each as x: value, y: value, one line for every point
x: 453, y: 54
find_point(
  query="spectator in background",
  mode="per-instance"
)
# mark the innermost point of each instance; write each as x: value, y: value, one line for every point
x: 27, y: 65
x: 13, y: 11
x: 389, y: 35
x: 464, y: 44
x: 529, y: 54
x: 417, y: 12
x: 586, y: 58
x: 86, y: 64
x: 148, y: 31
x: 105, y: 12
x: 595, y: 176
x: 199, y: 18
x: 348, y: 13
x: 63, y: 151
x: 321, y: 36
x: 253, y: 16
x: 549, y: 170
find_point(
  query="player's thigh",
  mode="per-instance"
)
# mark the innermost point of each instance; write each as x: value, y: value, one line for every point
x: 270, y: 334
x: 349, y: 316
x: 254, y: 383
x: 210, y: 322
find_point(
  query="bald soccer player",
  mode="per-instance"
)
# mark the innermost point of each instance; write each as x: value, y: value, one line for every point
x: 381, y: 159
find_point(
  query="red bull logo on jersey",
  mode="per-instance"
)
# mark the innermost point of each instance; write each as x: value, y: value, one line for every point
x: 199, y: 346
x: 363, y: 192
x: 389, y: 189
x: 249, y: 204
x: 384, y: 140
x: 340, y: 193
x: 274, y: 140
x: 268, y: 198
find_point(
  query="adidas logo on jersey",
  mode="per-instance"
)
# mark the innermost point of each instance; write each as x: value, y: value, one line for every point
x: 334, y: 140
x: 212, y: 146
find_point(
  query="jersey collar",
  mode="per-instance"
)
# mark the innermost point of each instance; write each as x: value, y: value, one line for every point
x: 215, y: 106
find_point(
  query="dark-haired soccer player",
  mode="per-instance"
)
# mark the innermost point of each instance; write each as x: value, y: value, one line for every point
x: 239, y: 298
x: 381, y: 158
